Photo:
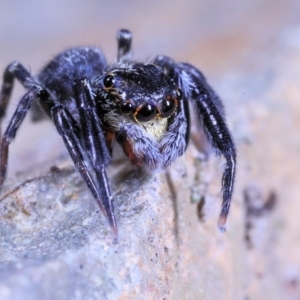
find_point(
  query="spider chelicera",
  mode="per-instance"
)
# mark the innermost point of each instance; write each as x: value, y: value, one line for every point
x: 143, y: 106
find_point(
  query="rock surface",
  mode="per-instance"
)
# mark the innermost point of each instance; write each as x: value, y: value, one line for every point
x: 52, y: 235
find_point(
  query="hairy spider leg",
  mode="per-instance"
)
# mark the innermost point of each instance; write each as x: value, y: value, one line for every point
x: 124, y: 38
x: 12, y: 128
x: 174, y: 143
x: 178, y: 135
x: 210, y: 113
x: 14, y: 70
x: 94, y: 143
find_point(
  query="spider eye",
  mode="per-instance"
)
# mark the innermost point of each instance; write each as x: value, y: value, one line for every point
x: 126, y: 108
x: 146, y: 112
x: 178, y: 94
x: 167, y: 107
x: 109, y: 81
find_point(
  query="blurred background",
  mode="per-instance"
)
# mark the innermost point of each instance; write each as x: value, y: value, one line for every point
x: 221, y: 38
x: 249, y: 52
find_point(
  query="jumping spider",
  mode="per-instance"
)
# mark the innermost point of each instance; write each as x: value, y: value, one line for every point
x: 143, y: 106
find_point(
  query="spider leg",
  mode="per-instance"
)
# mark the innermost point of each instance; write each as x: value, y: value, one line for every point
x: 90, y: 124
x: 14, y: 70
x: 12, y: 128
x: 210, y: 112
x: 176, y: 141
x: 64, y: 124
x: 124, y: 38
x: 95, y: 146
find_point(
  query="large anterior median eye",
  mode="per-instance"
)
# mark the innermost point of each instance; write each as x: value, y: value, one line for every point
x: 145, y: 112
x: 168, y: 107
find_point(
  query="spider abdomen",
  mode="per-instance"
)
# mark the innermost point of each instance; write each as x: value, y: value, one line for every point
x: 71, y: 65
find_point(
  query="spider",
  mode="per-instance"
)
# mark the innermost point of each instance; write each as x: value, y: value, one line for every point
x: 143, y: 106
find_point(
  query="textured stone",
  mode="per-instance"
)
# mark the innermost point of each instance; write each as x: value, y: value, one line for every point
x: 56, y: 245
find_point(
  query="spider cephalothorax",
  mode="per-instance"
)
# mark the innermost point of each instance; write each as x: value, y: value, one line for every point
x: 143, y: 106
x: 137, y: 103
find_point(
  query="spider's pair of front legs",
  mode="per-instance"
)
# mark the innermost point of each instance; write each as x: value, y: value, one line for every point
x: 85, y: 141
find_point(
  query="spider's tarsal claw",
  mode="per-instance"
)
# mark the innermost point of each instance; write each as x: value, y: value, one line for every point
x: 112, y: 222
x: 106, y: 208
x: 222, y: 228
x: 113, y: 226
x: 221, y: 223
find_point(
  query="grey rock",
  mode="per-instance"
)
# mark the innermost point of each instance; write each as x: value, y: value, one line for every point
x: 55, y: 244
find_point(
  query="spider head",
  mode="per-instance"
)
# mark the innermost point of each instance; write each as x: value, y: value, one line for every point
x: 142, y: 94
